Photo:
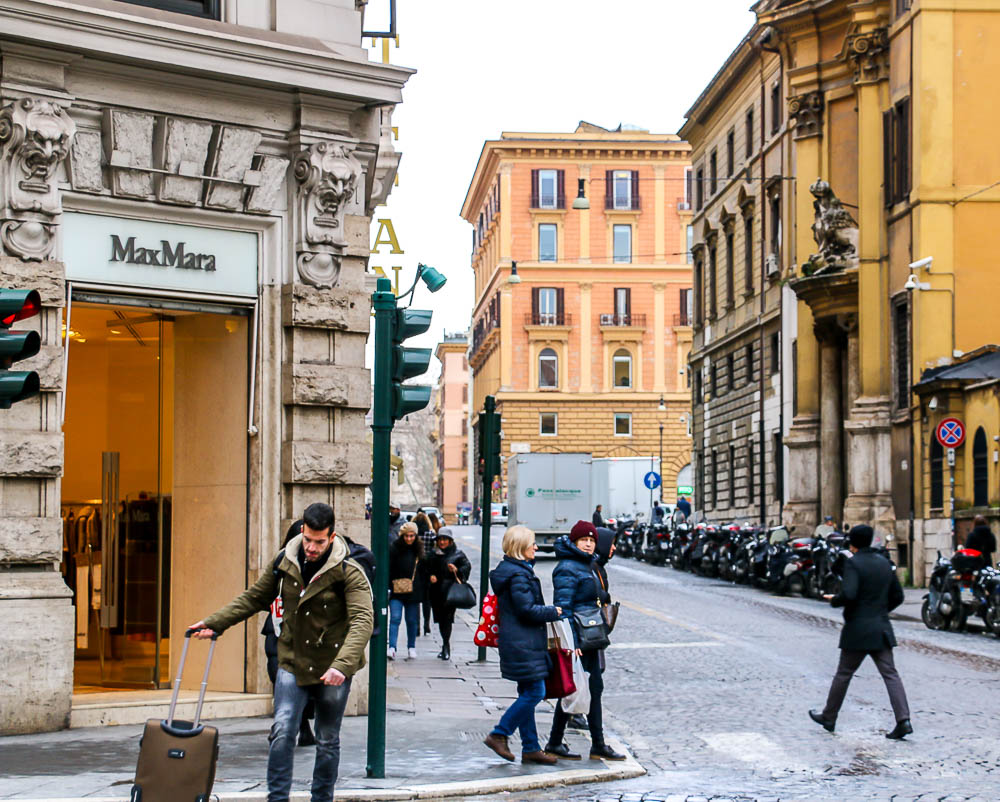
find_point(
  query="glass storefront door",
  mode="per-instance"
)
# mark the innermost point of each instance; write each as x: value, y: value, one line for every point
x: 155, y: 442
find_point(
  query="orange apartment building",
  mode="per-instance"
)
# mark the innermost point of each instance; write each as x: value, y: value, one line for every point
x: 581, y: 325
x: 451, y: 408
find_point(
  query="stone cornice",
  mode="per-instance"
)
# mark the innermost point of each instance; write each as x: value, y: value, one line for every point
x: 236, y: 53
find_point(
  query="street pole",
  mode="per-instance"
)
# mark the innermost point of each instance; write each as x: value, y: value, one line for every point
x: 384, y: 302
x: 661, y: 465
x: 486, y: 438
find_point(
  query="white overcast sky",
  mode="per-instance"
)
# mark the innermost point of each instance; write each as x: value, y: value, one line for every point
x: 527, y: 65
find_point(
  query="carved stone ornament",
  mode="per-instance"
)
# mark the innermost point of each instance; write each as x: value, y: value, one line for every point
x: 807, y: 111
x: 387, y: 163
x: 328, y: 175
x: 35, y: 135
x: 870, y: 54
x: 835, y: 232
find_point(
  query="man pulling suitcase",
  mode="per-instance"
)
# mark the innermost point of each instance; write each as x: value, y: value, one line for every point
x: 328, y: 620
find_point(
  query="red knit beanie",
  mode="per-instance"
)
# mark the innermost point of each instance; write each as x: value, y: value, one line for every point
x: 582, y: 529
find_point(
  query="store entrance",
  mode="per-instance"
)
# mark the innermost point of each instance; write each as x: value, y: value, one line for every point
x: 154, y: 489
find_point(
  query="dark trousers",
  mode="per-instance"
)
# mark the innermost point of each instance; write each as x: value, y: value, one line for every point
x: 595, y: 717
x: 850, y: 660
x: 289, y: 700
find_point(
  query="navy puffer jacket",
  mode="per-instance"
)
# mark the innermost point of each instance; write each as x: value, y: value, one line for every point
x: 574, y: 585
x: 522, y: 642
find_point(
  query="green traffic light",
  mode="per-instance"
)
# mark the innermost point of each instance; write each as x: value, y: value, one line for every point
x: 410, y: 323
x: 410, y: 398
x: 409, y: 362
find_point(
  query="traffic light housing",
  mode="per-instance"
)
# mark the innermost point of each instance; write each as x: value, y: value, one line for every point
x: 409, y: 362
x: 489, y: 443
x: 17, y: 385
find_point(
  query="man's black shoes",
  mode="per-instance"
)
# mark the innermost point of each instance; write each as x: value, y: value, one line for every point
x: 605, y: 752
x: 818, y: 718
x: 562, y: 751
x: 903, y: 728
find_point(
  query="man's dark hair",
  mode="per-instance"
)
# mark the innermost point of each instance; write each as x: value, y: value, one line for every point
x: 319, y: 516
x: 861, y: 536
x: 979, y: 520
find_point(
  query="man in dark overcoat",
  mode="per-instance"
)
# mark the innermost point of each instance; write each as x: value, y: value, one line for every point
x: 870, y: 589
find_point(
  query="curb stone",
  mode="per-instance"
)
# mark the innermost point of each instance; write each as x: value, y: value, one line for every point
x: 625, y: 770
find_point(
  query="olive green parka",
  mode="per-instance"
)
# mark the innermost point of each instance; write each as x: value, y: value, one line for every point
x: 326, y: 624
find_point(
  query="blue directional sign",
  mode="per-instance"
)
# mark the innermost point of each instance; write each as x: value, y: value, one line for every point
x: 651, y: 480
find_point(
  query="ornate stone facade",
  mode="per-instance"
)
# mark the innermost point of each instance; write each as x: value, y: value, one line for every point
x: 807, y: 112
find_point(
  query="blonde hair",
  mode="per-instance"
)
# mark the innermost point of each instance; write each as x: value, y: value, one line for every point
x: 516, y: 541
x: 408, y: 528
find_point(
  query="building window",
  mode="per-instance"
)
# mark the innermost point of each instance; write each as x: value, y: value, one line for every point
x: 547, y: 237
x: 731, y: 370
x: 901, y: 345
x: 623, y: 423
x: 748, y: 254
x: 548, y: 423
x: 775, y: 352
x: 690, y: 244
x: 980, y: 470
x: 699, y: 300
x: 623, y: 243
x: 714, y: 479
x: 697, y: 384
x: 623, y: 306
x: 750, y: 472
x: 699, y: 189
x: 795, y: 377
x: 713, y: 174
x: 896, y: 144
x: 621, y: 189
x: 902, y: 6
x: 547, y: 189
x: 732, y: 476
x: 548, y: 368
x: 209, y: 9
x: 713, y: 380
x: 937, y: 474
x: 730, y: 269
x: 731, y: 153
x: 622, y: 368
x: 776, y: 112
x: 713, y: 266
x: 749, y: 133
x: 774, y: 206
x: 547, y: 306
x: 748, y: 357
x: 684, y: 316
x: 688, y: 188
x: 779, y: 468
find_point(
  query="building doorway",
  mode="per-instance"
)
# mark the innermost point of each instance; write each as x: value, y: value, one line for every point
x: 154, y: 491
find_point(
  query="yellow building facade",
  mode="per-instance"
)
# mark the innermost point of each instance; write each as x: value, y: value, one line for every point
x: 581, y: 322
x: 890, y: 221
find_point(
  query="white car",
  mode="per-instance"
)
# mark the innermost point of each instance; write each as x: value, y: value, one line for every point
x: 498, y: 514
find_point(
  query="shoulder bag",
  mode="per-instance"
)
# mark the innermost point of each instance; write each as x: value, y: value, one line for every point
x: 402, y: 586
x: 591, y: 630
x: 461, y: 595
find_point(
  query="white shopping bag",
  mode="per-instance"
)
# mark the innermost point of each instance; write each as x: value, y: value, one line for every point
x: 578, y: 702
x: 561, y: 635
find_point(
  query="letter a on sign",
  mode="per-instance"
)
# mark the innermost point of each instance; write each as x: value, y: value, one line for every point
x: 385, y: 225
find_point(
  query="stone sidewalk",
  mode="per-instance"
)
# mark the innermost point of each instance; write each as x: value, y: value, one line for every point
x: 438, y: 714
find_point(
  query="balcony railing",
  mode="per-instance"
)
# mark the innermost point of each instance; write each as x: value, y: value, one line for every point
x: 623, y: 204
x: 616, y: 319
x: 548, y: 319
x: 682, y: 319
x: 482, y: 331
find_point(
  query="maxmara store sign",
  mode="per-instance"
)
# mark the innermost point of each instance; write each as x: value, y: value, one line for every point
x: 143, y: 253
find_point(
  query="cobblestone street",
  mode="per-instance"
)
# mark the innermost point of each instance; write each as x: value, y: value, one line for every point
x: 709, y: 684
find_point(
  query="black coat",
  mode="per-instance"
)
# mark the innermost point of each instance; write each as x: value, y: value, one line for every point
x: 404, y: 563
x: 605, y: 537
x: 436, y: 564
x: 982, y: 539
x: 869, y: 591
x: 575, y: 586
x: 522, y: 641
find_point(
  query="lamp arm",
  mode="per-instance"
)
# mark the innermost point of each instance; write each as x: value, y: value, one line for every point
x: 413, y: 286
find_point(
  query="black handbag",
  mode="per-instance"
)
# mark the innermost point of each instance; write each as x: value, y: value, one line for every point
x: 461, y: 595
x: 591, y: 630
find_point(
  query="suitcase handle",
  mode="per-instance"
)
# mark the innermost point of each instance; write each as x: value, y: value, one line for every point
x: 180, y: 672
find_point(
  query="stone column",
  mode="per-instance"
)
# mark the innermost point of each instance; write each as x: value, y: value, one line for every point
x: 831, y: 464
x: 36, y: 616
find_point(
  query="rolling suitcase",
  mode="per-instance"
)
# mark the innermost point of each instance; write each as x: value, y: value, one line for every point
x: 177, y: 758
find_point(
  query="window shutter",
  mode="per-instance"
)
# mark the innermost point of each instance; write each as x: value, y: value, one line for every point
x: 887, y: 178
x: 534, y: 304
x: 560, y: 306
x: 688, y: 195
x: 534, y: 189
x: 561, y: 190
x: 628, y: 304
x: 609, y: 189
x: 903, y: 145
x: 635, y: 189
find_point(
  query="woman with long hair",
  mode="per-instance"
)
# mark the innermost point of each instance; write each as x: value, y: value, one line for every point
x: 406, y: 588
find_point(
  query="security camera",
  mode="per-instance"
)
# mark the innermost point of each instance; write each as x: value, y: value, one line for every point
x: 927, y: 261
x: 932, y: 404
x: 911, y: 283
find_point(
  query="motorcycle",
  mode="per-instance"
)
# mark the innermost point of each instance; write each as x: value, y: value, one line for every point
x: 940, y: 607
x: 657, y: 544
x: 681, y: 544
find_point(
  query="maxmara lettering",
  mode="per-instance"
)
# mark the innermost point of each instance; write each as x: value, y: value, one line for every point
x: 167, y: 255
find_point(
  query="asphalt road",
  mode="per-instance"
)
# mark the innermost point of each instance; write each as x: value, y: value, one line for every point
x: 709, y: 684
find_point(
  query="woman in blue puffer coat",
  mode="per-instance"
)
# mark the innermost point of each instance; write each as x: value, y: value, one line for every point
x: 576, y: 588
x: 522, y: 643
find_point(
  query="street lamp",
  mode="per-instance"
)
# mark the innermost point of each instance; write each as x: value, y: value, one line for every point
x: 513, y: 278
x: 661, y: 408
x: 580, y: 201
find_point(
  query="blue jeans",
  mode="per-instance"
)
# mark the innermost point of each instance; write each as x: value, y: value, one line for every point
x: 289, y: 701
x: 521, y: 715
x: 396, y: 610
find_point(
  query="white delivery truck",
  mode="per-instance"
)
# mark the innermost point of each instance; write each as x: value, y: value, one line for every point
x: 548, y: 493
x: 617, y: 485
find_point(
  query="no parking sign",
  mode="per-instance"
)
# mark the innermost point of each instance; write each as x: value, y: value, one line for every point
x: 950, y: 433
